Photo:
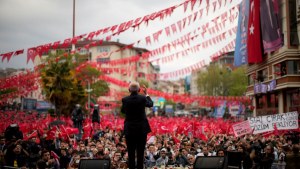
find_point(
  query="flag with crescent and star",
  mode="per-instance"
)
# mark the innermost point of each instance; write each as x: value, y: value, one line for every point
x: 254, y: 42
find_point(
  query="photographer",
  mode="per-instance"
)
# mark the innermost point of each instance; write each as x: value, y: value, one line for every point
x: 95, y: 115
x: 77, y: 118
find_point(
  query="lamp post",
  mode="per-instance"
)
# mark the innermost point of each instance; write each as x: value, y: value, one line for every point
x: 89, y: 90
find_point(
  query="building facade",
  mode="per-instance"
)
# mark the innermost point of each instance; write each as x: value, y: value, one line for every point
x: 274, y: 84
x: 136, y: 70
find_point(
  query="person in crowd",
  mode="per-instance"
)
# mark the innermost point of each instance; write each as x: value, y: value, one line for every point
x: 102, y: 156
x: 47, y: 161
x: 2, y: 149
x: 221, y: 153
x: 204, y: 152
x: 136, y: 125
x: 293, y: 158
x: 191, y: 161
x: 33, y: 150
x: 15, y: 155
x: 116, y: 160
x: 74, y: 162
x: 282, y: 151
x: 82, y: 149
x: 95, y: 115
x: 163, y: 159
x: 151, y: 156
x: 267, y: 157
x: 64, y: 159
x: 77, y: 118
x: 180, y: 158
x: 13, y: 133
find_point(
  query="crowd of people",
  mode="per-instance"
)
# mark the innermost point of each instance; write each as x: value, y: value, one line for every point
x: 162, y: 150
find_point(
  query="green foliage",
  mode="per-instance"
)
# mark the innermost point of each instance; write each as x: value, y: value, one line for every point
x: 7, y: 91
x: 100, y: 88
x: 221, y: 81
x: 170, y: 102
x: 143, y: 82
x: 64, y: 86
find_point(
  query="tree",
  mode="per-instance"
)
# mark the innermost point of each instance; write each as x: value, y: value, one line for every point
x: 143, y: 82
x: 64, y: 84
x: 221, y: 81
x: 89, y: 74
x: 239, y: 82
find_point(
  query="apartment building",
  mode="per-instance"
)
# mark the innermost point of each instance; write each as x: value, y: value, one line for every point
x: 126, y: 72
x: 274, y: 84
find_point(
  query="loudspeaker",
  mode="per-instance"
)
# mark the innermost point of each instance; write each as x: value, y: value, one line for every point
x: 234, y: 158
x: 94, y: 164
x: 211, y: 162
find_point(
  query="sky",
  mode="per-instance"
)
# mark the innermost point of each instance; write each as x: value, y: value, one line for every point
x: 25, y: 24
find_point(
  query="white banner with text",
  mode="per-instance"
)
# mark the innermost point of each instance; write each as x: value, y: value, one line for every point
x: 283, y: 121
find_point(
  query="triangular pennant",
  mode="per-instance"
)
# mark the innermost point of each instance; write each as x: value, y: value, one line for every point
x: 193, y: 4
x: 19, y: 52
x: 167, y: 30
x: 31, y: 54
x: 7, y: 55
x: 185, y: 4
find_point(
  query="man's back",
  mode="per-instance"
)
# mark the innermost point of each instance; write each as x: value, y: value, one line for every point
x: 134, y: 108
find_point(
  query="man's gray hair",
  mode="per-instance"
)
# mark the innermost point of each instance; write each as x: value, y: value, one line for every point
x: 134, y: 87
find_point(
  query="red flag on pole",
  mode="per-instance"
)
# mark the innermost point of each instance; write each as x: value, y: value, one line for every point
x: 254, y: 34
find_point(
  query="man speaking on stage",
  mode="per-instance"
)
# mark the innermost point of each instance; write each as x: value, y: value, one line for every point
x: 136, y: 125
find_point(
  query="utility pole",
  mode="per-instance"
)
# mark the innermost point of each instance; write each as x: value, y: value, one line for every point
x: 73, y: 35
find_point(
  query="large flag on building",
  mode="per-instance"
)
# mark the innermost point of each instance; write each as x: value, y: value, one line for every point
x: 270, y: 25
x: 254, y: 34
x: 240, y: 53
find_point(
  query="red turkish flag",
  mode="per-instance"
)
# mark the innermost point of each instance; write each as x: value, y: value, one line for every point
x: 46, y: 47
x: 19, y: 52
x: 254, y: 34
x: 167, y: 29
x: 31, y: 54
x: 6, y: 55
x: 91, y: 35
x: 55, y: 45
x: 67, y: 42
x: 40, y: 50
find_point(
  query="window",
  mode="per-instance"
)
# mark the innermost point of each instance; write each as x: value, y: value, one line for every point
x: 83, y: 51
x: 293, y: 67
x: 295, y: 99
x: 261, y: 101
x: 287, y: 67
x: 103, y: 60
x: 277, y: 70
x: 250, y: 79
x: 272, y: 100
x: 262, y: 75
x: 102, y: 49
x: 141, y: 74
x: 294, y: 40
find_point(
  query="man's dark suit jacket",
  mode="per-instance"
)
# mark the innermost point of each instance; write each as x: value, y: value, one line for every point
x: 133, y: 107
